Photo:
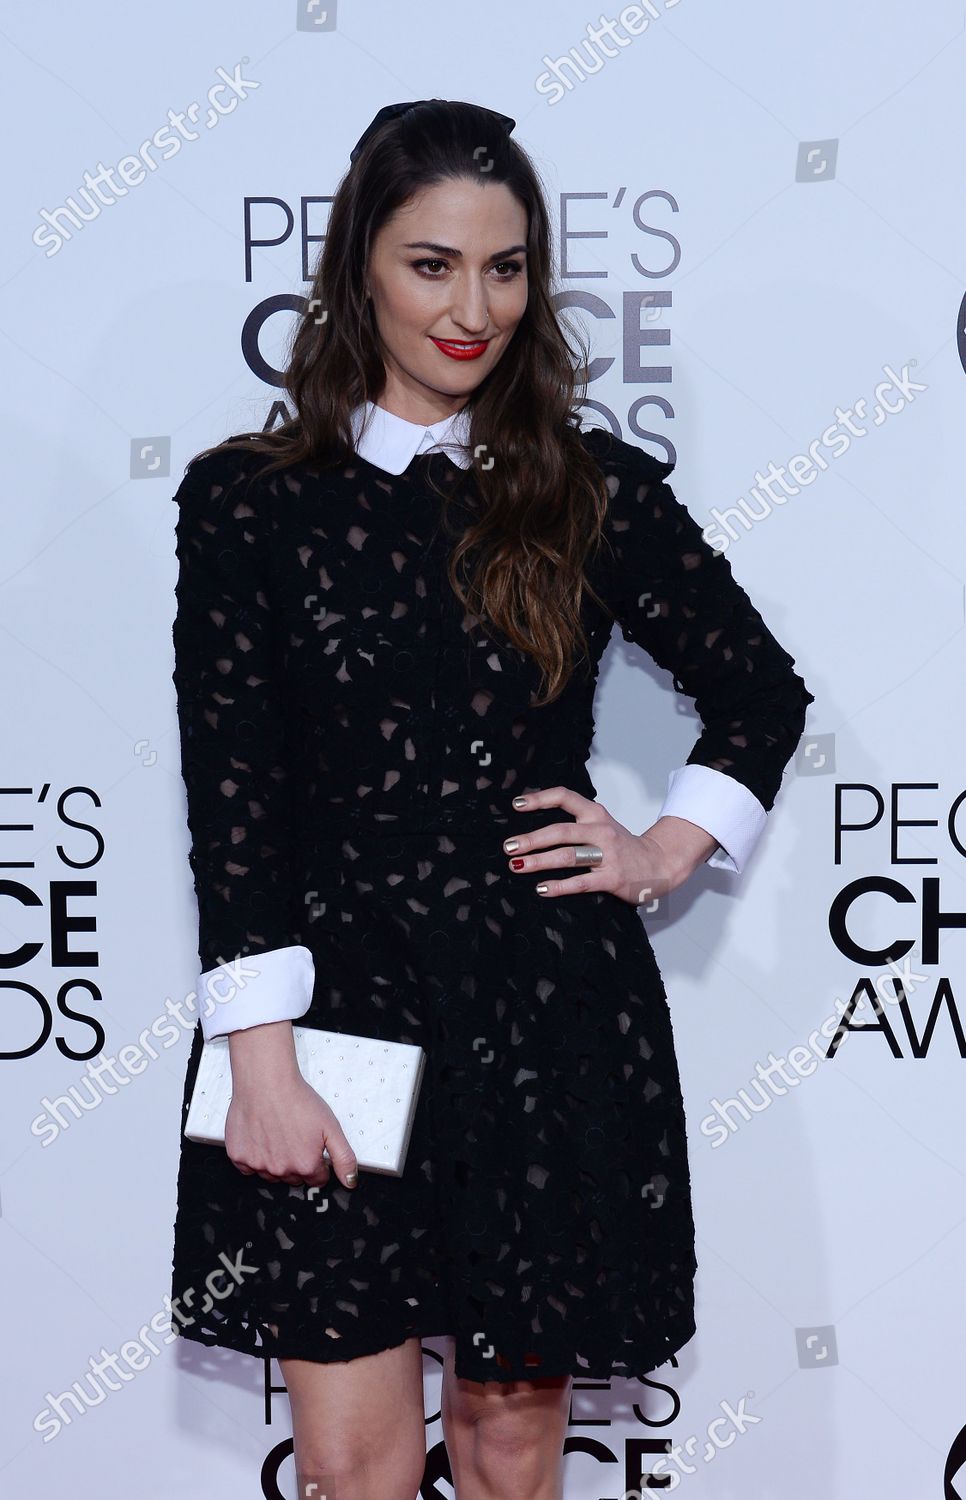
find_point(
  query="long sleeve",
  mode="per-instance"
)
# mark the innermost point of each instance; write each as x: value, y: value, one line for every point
x: 234, y: 758
x: 722, y: 807
x: 679, y: 600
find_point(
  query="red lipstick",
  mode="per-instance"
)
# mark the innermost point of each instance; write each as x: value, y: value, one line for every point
x: 461, y: 349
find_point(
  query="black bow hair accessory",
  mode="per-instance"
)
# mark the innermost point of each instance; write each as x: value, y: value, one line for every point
x: 391, y: 111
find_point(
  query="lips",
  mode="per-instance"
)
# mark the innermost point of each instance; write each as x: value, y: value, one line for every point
x: 460, y: 349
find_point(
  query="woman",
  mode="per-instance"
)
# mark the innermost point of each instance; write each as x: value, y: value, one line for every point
x: 391, y: 612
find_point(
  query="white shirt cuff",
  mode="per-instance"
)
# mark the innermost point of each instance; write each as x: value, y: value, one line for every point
x: 255, y: 988
x: 721, y: 806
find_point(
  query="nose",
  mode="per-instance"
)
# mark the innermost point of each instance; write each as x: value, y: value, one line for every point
x: 470, y: 308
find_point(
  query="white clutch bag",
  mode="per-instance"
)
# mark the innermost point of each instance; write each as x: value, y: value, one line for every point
x: 372, y: 1086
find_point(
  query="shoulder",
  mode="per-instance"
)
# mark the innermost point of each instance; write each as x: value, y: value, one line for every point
x: 620, y: 460
x: 646, y: 524
x: 215, y: 473
x: 642, y: 508
x: 225, y: 509
x: 222, y: 500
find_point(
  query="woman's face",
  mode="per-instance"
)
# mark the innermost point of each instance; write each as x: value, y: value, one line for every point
x: 450, y: 265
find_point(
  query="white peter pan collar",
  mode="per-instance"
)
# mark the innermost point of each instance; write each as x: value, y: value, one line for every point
x: 392, y: 442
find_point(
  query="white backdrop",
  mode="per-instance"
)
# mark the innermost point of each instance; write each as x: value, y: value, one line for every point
x: 788, y: 182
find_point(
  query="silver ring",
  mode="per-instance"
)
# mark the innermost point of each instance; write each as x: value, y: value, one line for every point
x: 588, y: 854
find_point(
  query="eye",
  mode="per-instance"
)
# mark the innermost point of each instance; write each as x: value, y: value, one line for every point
x: 513, y: 268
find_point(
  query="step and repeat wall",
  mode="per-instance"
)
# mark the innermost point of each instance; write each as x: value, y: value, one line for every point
x: 760, y: 226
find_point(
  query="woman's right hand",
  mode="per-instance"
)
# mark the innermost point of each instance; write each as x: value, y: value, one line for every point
x: 277, y: 1125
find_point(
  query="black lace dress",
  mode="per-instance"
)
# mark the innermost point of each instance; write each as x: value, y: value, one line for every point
x: 350, y: 749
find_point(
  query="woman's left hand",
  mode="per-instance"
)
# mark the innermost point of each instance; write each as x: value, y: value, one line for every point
x: 639, y: 868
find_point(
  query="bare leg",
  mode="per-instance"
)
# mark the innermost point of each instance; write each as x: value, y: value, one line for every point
x: 358, y: 1425
x: 505, y: 1440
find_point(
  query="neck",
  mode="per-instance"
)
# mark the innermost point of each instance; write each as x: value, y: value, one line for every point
x: 423, y: 406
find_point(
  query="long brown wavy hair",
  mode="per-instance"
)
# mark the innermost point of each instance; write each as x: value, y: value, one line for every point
x: 541, y: 505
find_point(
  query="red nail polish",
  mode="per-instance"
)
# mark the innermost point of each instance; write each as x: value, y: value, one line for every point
x: 516, y: 864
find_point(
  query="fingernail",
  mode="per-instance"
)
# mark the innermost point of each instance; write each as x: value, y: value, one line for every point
x: 511, y: 844
x: 517, y: 864
x: 519, y: 801
x: 541, y: 890
x: 351, y: 1178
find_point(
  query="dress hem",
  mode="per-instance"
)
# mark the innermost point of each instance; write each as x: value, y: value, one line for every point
x: 590, y: 1370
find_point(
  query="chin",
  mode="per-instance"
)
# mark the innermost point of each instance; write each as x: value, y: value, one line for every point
x: 462, y: 382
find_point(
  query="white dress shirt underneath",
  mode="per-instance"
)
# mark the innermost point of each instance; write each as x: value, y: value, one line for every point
x: 277, y: 985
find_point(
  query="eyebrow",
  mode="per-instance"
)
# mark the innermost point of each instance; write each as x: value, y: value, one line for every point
x: 458, y: 254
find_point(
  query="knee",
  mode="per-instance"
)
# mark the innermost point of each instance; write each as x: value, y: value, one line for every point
x: 511, y: 1442
x: 512, y: 1461
x: 515, y: 1441
x: 359, y: 1470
